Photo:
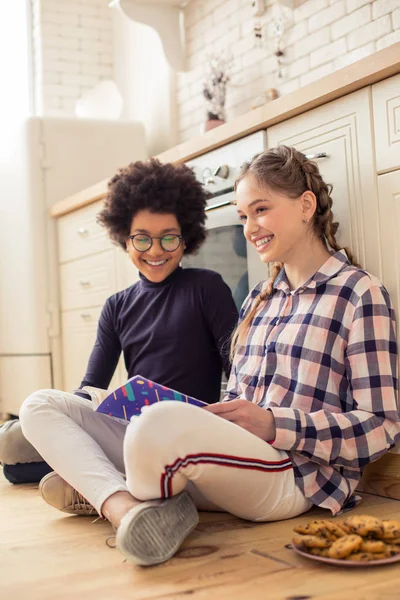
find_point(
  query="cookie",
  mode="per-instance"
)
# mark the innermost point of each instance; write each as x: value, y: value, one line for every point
x: 391, y: 530
x: 345, y: 546
x: 395, y: 541
x: 336, y: 529
x: 323, y: 528
x: 391, y: 550
x: 372, y: 546
x: 310, y: 541
x: 319, y: 552
x: 361, y: 557
x: 364, y: 525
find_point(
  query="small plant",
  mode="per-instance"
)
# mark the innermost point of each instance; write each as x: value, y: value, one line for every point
x: 214, y: 85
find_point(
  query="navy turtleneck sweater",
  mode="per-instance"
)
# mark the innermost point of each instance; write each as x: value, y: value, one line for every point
x: 175, y: 332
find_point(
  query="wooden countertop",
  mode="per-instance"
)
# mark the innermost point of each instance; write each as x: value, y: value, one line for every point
x: 369, y: 70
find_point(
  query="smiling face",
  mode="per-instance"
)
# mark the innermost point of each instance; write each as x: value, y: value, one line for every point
x: 155, y: 263
x: 275, y: 224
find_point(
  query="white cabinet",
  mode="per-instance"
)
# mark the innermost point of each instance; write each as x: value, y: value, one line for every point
x: 91, y: 270
x: 79, y: 234
x: 342, y: 130
x: 389, y: 210
x: 386, y: 108
x: 88, y: 281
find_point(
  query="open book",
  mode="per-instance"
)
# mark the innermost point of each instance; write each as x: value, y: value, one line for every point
x: 129, y: 399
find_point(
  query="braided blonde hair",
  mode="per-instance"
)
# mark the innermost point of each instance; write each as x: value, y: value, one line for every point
x: 288, y: 171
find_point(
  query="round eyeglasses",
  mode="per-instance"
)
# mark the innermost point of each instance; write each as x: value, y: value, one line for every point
x: 142, y: 242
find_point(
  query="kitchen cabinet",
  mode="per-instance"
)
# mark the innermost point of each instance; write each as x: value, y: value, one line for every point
x: 340, y: 133
x: 389, y: 211
x: 91, y: 270
x: 386, y: 109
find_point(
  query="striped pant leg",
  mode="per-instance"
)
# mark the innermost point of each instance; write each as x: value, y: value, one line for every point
x: 173, y: 446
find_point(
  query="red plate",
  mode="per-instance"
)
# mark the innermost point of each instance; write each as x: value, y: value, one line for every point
x: 348, y: 563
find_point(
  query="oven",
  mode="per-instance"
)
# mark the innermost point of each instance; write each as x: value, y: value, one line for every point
x: 225, y: 249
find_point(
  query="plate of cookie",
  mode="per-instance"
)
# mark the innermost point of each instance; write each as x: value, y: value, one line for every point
x: 357, y: 541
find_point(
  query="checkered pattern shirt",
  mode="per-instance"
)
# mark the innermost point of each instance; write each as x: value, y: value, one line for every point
x: 323, y: 359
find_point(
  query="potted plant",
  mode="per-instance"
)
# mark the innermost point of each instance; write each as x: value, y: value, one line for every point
x: 214, y: 89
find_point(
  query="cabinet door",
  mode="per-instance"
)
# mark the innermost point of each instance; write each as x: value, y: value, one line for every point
x: 386, y: 108
x: 342, y: 130
x: 389, y: 210
x: 79, y: 329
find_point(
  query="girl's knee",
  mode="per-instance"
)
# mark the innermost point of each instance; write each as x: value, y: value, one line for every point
x: 34, y: 405
x: 161, y: 423
x: 166, y: 416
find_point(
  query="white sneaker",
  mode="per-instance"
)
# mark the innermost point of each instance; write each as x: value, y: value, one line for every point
x: 59, y: 494
x: 152, y: 532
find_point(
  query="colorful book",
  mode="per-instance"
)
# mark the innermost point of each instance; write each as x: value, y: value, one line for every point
x: 128, y: 400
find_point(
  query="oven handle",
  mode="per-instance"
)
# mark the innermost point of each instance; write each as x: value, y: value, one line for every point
x: 219, y: 205
x: 317, y: 155
x: 217, y: 193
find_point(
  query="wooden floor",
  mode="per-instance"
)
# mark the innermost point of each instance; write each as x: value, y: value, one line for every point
x: 47, y: 555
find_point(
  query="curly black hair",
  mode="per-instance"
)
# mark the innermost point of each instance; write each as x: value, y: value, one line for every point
x: 159, y: 188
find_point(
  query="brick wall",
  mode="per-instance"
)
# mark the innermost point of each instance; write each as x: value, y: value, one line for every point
x: 324, y: 35
x: 72, y: 51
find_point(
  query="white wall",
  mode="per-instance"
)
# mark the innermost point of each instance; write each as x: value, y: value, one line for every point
x: 325, y: 35
x: 73, y: 50
x: 146, y: 81
x: 80, y: 42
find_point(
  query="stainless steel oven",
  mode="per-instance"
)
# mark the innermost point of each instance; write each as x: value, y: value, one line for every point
x: 225, y: 249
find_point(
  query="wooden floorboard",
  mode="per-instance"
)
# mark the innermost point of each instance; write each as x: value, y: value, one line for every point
x: 47, y: 555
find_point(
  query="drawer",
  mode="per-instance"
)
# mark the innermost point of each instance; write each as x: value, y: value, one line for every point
x: 79, y: 329
x: 127, y: 273
x: 386, y: 109
x: 80, y: 235
x: 88, y: 281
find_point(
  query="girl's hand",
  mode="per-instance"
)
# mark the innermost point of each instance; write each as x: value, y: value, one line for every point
x: 253, y: 418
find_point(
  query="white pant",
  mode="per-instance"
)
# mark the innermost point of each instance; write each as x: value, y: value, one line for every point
x: 171, y: 446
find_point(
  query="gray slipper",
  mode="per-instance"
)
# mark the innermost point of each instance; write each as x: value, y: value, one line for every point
x: 152, y: 532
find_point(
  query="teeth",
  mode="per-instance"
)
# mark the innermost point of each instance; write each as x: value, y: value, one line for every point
x: 155, y: 263
x: 264, y: 240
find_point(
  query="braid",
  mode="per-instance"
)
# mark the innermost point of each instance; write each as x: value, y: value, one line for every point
x: 323, y: 222
x: 241, y: 331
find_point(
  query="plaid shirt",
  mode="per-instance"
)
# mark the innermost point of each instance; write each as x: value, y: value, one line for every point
x: 323, y: 359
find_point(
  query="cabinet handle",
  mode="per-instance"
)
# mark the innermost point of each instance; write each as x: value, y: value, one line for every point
x: 84, y: 282
x: 85, y: 316
x: 83, y: 231
x: 317, y: 155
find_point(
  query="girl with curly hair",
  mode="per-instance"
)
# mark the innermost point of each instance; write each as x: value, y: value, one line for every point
x: 172, y: 326
x: 312, y: 395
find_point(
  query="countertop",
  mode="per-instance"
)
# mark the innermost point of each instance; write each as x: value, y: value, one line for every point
x: 369, y: 70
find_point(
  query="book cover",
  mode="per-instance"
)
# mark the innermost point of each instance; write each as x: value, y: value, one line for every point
x: 129, y: 399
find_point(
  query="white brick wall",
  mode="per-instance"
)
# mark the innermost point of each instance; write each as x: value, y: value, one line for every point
x: 73, y: 50
x: 325, y: 35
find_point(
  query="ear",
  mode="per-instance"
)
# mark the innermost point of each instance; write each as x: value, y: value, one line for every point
x: 308, y: 206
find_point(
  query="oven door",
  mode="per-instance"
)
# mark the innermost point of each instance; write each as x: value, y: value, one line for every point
x: 226, y: 251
